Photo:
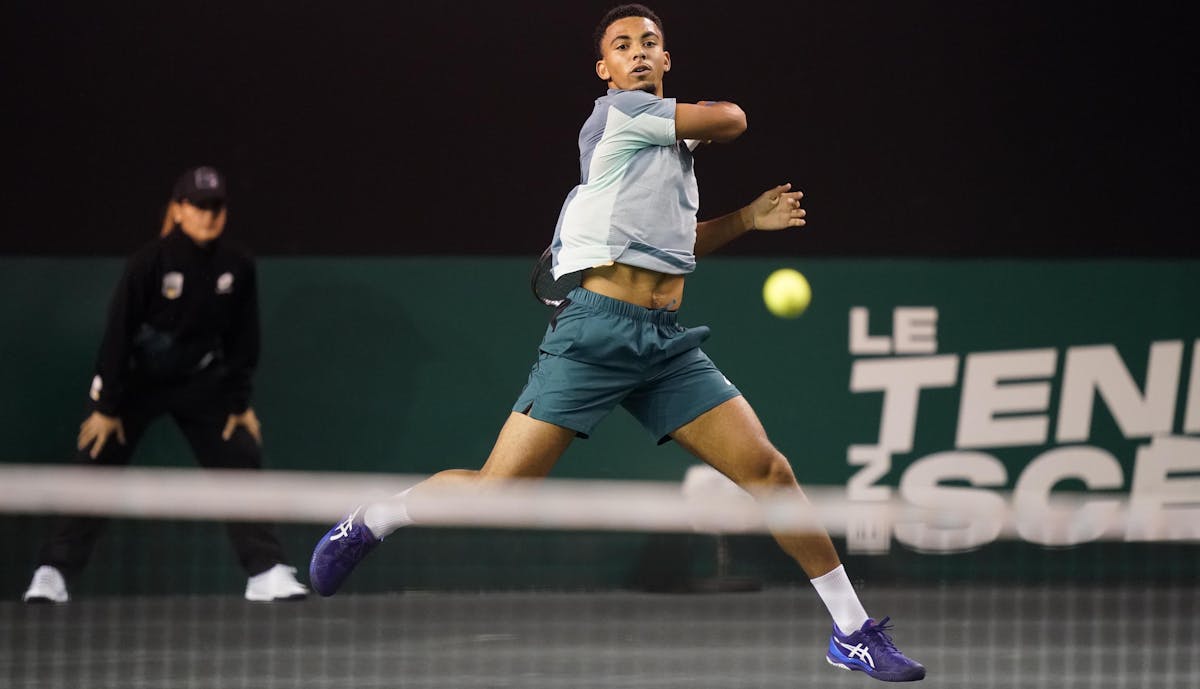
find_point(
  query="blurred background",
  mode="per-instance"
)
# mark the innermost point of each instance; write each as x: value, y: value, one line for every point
x: 1018, y: 176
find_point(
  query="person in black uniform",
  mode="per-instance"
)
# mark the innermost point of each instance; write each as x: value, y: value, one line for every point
x: 182, y: 339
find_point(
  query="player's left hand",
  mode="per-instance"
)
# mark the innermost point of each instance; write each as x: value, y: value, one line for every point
x: 777, y: 209
x: 248, y: 420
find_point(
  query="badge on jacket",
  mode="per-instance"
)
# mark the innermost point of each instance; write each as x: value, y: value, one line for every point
x: 172, y: 285
x: 225, y: 283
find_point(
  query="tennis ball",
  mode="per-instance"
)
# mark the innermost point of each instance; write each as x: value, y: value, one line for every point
x: 786, y: 293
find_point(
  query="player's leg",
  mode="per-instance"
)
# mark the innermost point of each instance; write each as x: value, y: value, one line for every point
x: 564, y: 397
x: 540, y: 427
x: 199, y: 410
x: 525, y: 448
x: 72, y: 538
x: 730, y: 438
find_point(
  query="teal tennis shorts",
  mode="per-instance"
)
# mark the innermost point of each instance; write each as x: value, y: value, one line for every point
x: 599, y: 352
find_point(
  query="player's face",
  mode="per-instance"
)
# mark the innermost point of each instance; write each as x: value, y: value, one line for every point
x: 633, y: 56
x: 202, y: 223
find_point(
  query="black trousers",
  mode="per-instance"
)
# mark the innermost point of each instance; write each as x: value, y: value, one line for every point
x: 198, y: 407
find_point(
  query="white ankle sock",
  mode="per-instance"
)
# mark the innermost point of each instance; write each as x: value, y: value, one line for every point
x: 839, y: 597
x: 384, y: 517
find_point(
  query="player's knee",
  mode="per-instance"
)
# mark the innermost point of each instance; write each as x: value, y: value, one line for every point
x: 780, y: 472
x: 770, y: 468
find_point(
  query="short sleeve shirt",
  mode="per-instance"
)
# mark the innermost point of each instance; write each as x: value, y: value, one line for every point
x: 637, y: 198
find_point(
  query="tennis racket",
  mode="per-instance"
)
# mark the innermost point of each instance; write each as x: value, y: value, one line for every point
x: 549, y: 291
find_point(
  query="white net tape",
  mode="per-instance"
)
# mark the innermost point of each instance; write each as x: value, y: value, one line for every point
x: 1168, y: 510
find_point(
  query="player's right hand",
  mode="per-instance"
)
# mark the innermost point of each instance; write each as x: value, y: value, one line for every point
x: 96, y: 429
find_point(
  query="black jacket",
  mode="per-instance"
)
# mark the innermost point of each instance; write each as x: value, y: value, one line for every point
x: 181, y: 309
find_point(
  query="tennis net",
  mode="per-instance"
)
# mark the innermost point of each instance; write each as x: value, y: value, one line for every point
x: 600, y: 584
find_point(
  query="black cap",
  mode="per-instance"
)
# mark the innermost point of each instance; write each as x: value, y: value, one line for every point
x: 200, y: 184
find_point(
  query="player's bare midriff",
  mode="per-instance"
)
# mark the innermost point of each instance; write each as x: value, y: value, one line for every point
x: 646, y: 288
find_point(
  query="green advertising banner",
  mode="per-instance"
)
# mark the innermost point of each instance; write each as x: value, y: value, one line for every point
x: 980, y: 377
x: 996, y: 382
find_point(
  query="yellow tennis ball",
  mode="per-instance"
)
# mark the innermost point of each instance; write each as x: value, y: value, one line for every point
x: 786, y: 293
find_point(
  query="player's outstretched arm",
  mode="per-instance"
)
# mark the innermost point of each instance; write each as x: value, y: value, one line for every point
x: 777, y: 208
x: 709, y: 121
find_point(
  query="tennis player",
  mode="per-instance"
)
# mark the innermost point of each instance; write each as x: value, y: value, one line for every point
x: 630, y: 227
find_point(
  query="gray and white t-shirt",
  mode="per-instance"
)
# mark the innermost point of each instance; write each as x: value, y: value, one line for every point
x: 637, y: 198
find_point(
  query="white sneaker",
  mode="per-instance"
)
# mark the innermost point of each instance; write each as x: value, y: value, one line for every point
x: 48, y: 586
x: 277, y: 583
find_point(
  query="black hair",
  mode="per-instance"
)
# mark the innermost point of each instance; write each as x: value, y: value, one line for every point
x: 623, y: 12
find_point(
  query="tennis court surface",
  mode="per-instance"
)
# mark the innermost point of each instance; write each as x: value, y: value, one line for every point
x: 1027, y: 637
x: 579, y: 583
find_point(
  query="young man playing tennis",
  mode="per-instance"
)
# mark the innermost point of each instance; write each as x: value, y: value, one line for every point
x: 630, y: 227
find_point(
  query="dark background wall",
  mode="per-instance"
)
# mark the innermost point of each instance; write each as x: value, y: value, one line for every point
x: 1016, y: 128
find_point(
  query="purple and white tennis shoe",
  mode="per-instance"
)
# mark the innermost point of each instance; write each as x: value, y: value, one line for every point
x: 338, y: 552
x: 871, y: 650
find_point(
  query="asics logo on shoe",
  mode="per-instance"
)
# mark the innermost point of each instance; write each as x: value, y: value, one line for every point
x: 343, y: 529
x: 859, y: 651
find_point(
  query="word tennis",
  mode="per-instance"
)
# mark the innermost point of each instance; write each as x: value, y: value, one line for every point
x: 1024, y: 421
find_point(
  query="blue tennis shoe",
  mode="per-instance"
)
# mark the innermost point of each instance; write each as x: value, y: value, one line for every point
x: 870, y: 650
x: 339, y: 552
